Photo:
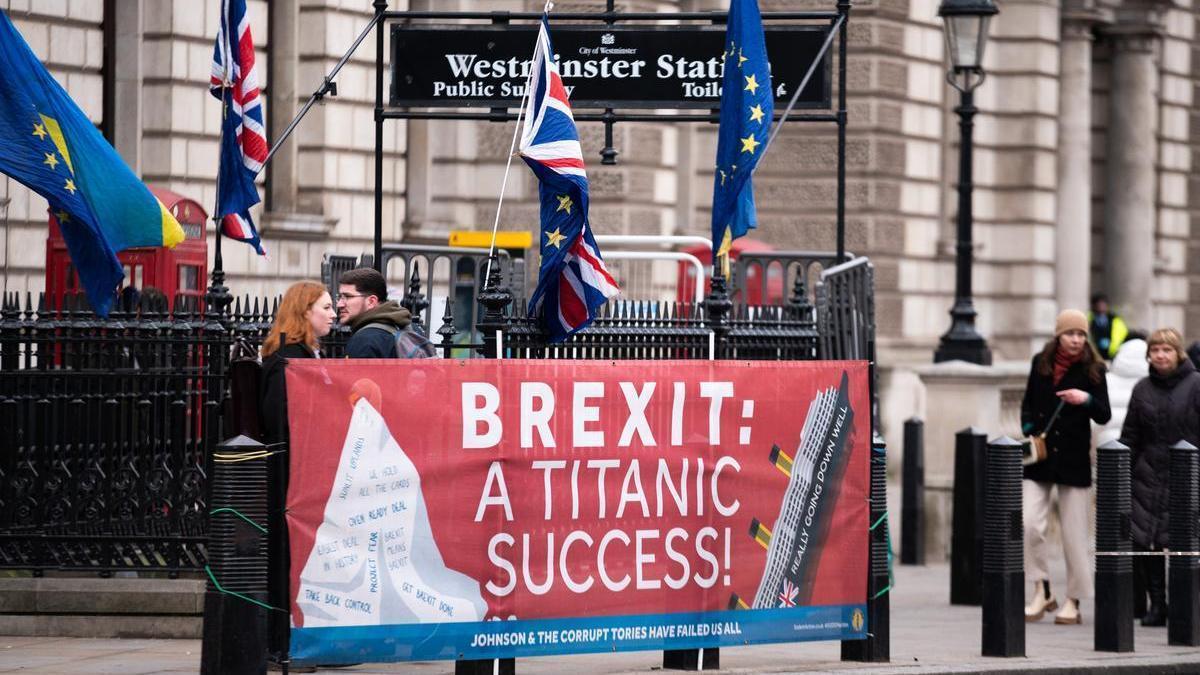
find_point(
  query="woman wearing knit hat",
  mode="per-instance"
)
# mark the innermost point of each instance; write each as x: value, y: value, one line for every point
x: 1066, y: 388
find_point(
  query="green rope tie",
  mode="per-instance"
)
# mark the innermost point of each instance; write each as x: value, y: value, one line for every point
x: 244, y: 517
x: 890, y: 556
x: 235, y: 594
x: 881, y: 519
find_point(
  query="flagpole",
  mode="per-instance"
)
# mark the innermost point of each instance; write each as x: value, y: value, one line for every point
x: 217, y: 290
x: 796, y: 94
x: 218, y: 293
x: 328, y: 86
x: 721, y: 266
x: 513, y: 145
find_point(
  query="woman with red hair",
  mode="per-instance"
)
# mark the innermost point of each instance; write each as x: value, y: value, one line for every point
x: 305, y: 316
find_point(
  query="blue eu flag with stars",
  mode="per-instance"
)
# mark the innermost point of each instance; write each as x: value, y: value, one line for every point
x: 746, y: 109
x: 51, y: 147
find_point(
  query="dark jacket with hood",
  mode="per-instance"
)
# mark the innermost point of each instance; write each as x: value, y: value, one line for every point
x: 373, y: 343
x: 1070, y: 439
x: 274, y: 389
x: 1163, y: 410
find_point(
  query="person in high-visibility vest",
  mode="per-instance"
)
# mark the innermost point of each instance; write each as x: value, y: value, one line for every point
x: 1106, y: 330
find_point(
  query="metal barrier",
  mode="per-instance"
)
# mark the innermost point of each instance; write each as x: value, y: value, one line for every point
x: 103, y: 461
x: 846, y: 311
x: 755, y: 274
x: 333, y: 267
x: 452, y: 274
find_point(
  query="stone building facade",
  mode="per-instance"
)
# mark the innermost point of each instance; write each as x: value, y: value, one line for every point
x: 1084, y: 147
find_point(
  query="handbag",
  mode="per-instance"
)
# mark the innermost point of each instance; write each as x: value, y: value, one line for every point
x: 1034, y: 450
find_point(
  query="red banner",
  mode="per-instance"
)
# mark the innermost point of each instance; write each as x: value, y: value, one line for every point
x: 439, y: 492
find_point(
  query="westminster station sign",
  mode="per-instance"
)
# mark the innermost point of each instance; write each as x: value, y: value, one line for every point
x: 601, y: 66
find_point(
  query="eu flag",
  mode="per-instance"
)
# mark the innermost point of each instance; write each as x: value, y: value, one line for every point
x: 746, y: 109
x: 51, y: 147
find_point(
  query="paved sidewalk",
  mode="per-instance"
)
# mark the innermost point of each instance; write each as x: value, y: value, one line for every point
x: 928, y: 636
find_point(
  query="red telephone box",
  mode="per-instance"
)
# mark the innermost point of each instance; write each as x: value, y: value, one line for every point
x: 182, y: 271
x: 752, y: 294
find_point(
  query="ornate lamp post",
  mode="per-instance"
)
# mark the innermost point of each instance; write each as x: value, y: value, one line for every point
x: 966, y: 26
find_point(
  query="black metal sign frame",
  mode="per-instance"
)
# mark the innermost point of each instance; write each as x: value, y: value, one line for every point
x: 643, y: 67
x: 837, y: 115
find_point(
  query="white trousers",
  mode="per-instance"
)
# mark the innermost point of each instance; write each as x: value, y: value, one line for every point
x: 1074, y: 511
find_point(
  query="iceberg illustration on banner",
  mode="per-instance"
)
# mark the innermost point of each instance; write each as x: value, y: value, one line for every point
x: 375, y: 561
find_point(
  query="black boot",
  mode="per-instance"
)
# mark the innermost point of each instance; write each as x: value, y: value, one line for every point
x: 1156, y: 586
x: 1139, y: 584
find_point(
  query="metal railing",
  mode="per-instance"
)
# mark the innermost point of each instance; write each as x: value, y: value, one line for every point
x: 106, y: 429
x: 846, y: 314
x: 109, y: 424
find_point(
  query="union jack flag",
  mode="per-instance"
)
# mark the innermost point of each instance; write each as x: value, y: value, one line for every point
x: 787, y: 597
x: 243, y: 137
x: 573, y: 281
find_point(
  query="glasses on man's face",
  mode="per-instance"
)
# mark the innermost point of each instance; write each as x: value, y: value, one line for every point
x: 349, y: 296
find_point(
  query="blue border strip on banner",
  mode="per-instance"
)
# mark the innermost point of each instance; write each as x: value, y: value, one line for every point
x: 543, y: 637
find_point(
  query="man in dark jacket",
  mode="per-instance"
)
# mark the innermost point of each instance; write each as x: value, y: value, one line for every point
x: 363, y: 305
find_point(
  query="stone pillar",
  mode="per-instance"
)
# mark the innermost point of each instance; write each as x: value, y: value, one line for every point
x: 959, y: 395
x: 418, y: 156
x: 1073, y: 230
x: 283, y: 186
x: 284, y: 217
x: 1130, y: 181
x: 685, y: 159
x: 419, y: 167
x: 127, y: 82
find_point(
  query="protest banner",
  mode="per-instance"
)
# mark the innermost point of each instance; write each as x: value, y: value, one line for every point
x: 488, y: 509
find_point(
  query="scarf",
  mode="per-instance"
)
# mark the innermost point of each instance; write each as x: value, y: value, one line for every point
x: 1062, y: 362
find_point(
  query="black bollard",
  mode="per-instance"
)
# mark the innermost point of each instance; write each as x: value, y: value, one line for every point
x: 912, y: 495
x: 486, y: 667
x: 279, y: 558
x: 877, y: 647
x: 1183, y: 596
x: 966, y: 533
x: 692, y: 659
x: 1003, y: 552
x: 235, y: 628
x: 1114, y: 573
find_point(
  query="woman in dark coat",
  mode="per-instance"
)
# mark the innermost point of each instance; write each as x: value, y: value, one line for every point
x: 1066, y: 389
x: 305, y: 316
x: 1164, y: 409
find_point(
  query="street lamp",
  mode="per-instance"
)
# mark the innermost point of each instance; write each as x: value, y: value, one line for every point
x: 966, y: 26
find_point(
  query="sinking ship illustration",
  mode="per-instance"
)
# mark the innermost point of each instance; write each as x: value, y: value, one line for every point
x: 814, y: 474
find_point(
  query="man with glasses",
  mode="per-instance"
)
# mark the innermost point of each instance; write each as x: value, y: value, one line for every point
x: 375, y: 321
